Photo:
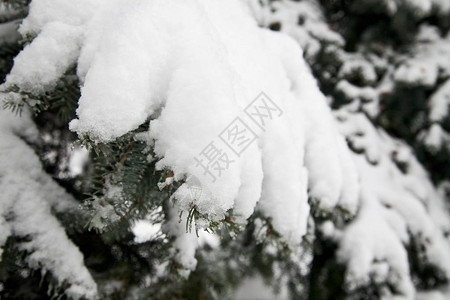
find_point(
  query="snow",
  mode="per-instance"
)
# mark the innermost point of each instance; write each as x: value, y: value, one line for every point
x: 193, y: 70
x: 203, y: 69
x: 288, y: 13
x: 353, y: 92
x: 359, y: 134
x: 185, y: 242
x: 394, y: 207
x: 54, y: 48
x: 148, y: 228
x: 322, y: 156
x: 424, y: 65
x: 360, y: 68
x: 43, y: 12
x: 78, y: 159
x: 327, y: 229
x: 435, y: 137
x: 59, y: 26
x: 437, y: 294
x: 439, y: 103
x: 417, y: 73
x: 104, y: 214
x: 29, y: 194
x: 210, y: 239
x: 369, y: 239
x: 145, y: 231
x: 426, y: 61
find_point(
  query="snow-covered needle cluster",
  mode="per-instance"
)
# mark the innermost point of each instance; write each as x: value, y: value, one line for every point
x: 190, y: 67
x: 230, y: 113
x: 400, y: 208
x: 27, y: 198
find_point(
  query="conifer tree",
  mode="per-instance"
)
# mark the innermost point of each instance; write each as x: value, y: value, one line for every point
x: 172, y: 149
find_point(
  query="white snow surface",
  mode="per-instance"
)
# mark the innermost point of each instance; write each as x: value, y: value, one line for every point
x: 185, y: 243
x: 439, y: 104
x: 395, y: 206
x: 427, y: 60
x: 192, y: 67
x: 289, y: 14
x: 28, y: 194
x: 145, y: 231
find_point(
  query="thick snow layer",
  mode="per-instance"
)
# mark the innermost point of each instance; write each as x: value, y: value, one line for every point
x: 232, y: 107
x: 43, y: 12
x: 28, y: 194
x: 369, y: 242
x: 59, y: 25
x: 396, y: 206
x: 55, y: 49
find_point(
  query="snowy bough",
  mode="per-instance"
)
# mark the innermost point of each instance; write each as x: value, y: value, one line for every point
x: 198, y: 119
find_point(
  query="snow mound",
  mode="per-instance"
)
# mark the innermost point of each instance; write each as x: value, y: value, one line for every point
x: 29, y: 194
x: 399, y: 206
x: 230, y: 105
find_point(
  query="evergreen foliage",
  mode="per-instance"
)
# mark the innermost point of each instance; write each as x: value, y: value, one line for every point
x: 361, y: 53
